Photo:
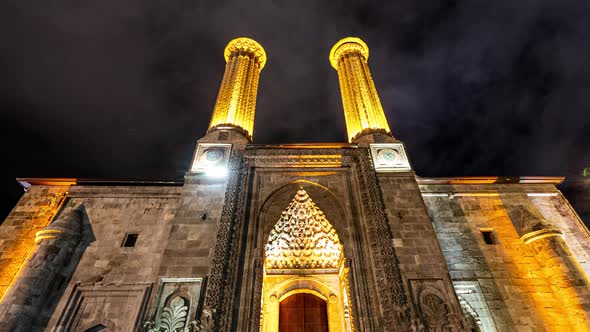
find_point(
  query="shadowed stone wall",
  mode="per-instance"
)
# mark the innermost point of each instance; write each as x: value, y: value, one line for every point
x: 112, y: 283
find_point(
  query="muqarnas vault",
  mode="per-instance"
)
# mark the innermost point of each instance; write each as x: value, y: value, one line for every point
x: 295, y: 237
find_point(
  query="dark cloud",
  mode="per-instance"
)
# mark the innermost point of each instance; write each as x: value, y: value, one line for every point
x: 122, y: 89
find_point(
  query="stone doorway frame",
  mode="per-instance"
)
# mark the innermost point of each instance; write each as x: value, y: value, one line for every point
x: 238, y: 270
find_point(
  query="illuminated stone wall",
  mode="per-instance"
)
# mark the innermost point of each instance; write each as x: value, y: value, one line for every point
x: 517, y: 280
x: 34, y: 210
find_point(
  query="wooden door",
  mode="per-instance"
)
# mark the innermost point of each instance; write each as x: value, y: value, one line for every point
x: 303, y: 313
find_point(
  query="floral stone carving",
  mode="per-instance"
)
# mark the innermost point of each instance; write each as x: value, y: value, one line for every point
x: 173, y: 318
x: 303, y: 238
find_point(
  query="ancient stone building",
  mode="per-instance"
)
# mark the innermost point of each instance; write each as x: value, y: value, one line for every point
x: 315, y: 237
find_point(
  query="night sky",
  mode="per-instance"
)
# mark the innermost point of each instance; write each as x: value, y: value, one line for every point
x: 122, y: 89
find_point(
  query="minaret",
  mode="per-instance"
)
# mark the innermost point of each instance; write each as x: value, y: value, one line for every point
x: 236, y: 101
x: 362, y: 108
x: 232, y: 123
x: 365, y: 120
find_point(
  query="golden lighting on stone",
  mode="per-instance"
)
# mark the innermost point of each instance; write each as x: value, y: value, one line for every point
x: 236, y: 101
x: 46, y: 234
x: 362, y: 108
x: 21, y: 250
x: 303, y: 254
x: 303, y: 238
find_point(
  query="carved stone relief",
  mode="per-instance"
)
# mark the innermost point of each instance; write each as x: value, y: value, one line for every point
x: 226, y: 269
x: 176, y: 305
x: 435, y: 305
x: 303, y: 238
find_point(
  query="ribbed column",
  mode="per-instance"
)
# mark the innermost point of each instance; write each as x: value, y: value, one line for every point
x: 236, y: 102
x: 566, y: 278
x: 38, y: 278
x: 362, y: 108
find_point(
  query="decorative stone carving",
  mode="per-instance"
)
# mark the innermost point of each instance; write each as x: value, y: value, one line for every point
x: 303, y: 238
x: 206, y: 322
x: 221, y: 288
x: 245, y: 45
x: 434, y: 311
x: 392, y: 296
x: 390, y: 157
x: 436, y: 306
x: 174, y: 316
x: 363, y: 111
x: 299, y: 161
x: 176, y: 304
x: 347, y: 46
x: 470, y: 314
x: 211, y: 157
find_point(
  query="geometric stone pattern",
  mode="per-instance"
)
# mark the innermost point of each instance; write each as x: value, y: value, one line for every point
x: 303, y: 238
x: 211, y: 157
x: 378, y: 254
x: 390, y: 157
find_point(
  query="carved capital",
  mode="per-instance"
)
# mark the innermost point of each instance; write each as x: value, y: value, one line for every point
x: 245, y: 45
x: 346, y: 46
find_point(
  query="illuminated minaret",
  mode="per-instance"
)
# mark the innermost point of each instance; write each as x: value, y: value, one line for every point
x: 362, y: 108
x: 236, y: 101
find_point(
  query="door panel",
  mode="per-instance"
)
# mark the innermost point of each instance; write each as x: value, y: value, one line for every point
x: 303, y: 313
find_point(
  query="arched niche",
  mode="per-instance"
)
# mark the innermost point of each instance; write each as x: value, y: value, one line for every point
x: 327, y: 287
x: 275, y: 203
x: 303, y: 254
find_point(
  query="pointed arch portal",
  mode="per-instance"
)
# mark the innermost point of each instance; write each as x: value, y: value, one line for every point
x: 305, y: 286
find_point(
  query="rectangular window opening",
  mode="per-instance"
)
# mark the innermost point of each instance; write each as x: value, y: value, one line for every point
x: 130, y: 239
x: 488, y: 237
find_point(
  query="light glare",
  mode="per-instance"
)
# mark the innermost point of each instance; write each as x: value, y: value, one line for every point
x: 216, y: 172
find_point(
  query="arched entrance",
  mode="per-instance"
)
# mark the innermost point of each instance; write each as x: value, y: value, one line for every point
x: 303, y: 257
x: 303, y: 312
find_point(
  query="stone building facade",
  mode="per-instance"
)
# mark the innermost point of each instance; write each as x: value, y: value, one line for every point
x: 255, y: 229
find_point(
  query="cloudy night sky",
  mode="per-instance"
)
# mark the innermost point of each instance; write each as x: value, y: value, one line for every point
x: 122, y: 89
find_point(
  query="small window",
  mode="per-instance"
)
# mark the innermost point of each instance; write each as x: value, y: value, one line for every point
x: 130, y: 239
x: 488, y: 236
x: 96, y: 328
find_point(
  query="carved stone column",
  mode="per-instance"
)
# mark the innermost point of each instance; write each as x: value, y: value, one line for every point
x: 40, y: 275
x: 236, y: 101
x: 362, y: 108
x: 567, y: 280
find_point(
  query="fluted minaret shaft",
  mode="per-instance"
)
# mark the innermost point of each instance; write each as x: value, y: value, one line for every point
x: 362, y: 108
x: 27, y: 297
x: 236, y: 101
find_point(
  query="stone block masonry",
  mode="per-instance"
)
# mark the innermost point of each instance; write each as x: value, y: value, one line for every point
x: 517, y: 279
